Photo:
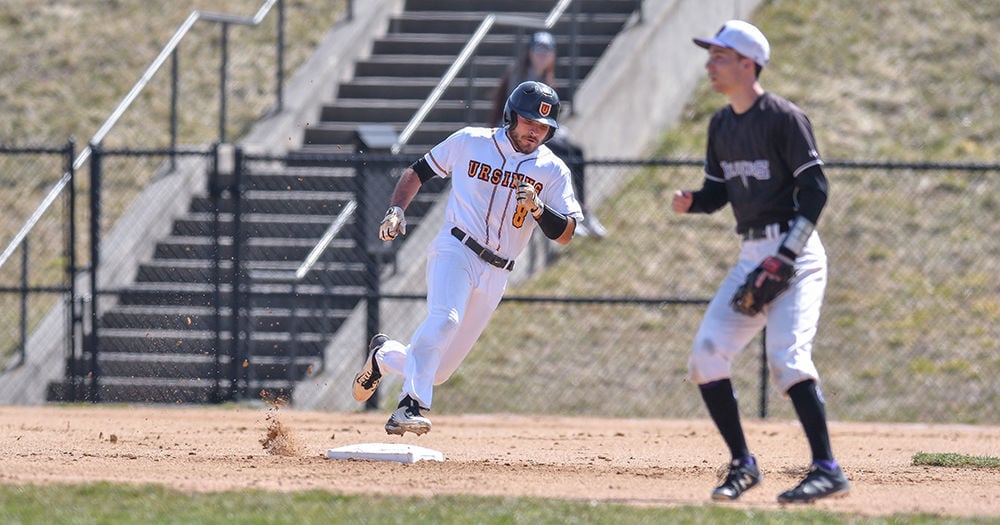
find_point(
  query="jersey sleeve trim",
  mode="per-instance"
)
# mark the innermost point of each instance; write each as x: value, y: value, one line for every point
x: 800, y: 169
x: 441, y: 172
x: 713, y: 178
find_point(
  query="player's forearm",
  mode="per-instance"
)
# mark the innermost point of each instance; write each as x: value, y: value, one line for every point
x: 567, y: 234
x: 407, y: 188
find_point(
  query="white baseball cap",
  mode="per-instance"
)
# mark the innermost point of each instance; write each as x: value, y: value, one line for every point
x: 543, y: 41
x: 742, y: 37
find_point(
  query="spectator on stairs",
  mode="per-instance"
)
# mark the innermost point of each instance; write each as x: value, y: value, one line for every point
x: 538, y: 63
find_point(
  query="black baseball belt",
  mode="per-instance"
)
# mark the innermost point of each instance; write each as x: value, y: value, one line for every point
x: 483, y: 252
x: 768, y: 231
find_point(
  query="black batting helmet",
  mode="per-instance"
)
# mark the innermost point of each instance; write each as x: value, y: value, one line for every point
x: 533, y: 101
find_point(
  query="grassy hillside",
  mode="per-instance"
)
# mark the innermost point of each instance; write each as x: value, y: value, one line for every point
x: 879, y: 80
x: 75, y: 60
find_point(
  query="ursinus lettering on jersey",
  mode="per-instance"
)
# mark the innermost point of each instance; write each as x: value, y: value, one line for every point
x: 509, y: 179
x: 746, y: 169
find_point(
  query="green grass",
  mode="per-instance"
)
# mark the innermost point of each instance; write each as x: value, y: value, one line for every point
x: 112, y: 503
x: 950, y: 459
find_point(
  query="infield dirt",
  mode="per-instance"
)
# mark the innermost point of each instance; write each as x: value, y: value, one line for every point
x: 631, y: 461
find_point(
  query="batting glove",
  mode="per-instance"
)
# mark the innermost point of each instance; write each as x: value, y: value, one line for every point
x: 393, y: 224
x: 526, y: 196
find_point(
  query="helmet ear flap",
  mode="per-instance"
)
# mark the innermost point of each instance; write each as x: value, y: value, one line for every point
x: 509, y: 118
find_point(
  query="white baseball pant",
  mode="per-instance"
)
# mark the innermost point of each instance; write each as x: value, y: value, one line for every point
x: 463, y: 291
x: 791, y: 319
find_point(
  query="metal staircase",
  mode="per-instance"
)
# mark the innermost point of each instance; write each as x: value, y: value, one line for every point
x: 157, y: 344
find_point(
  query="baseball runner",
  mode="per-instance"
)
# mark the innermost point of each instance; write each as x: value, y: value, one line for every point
x: 505, y: 182
x: 762, y: 160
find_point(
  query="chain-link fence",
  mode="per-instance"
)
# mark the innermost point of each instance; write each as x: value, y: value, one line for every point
x: 282, y: 252
x: 35, y: 273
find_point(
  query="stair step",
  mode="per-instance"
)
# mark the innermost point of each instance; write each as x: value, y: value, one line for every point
x: 310, y: 179
x: 313, y: 227
x: 493, y: 45
x: 202, y: 318
x: 256, y: 249
x: 289, y: 202
x: 201, y: 271
x: 167, y: 366
x: 260, y: 296
x: 389, y: 88
x: 536, y: 7
x: 152, y: 390
x: 202, y: 342
x: 489, y: 67
x: 466, y: 22
x: 426, y: 135
x: 375, y: 110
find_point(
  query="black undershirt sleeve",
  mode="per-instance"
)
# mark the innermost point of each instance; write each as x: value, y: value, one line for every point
x: 423, y: 170
x: 811, y: 190
x: 709, y: 198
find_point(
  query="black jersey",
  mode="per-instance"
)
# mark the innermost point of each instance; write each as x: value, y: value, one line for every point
x: 753, y: 160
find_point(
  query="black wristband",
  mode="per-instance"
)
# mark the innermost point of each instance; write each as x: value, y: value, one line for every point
x: 552, y: 223
x: 423, y: 169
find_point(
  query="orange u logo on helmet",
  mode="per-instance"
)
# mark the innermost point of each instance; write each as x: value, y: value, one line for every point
x: 544, y: 108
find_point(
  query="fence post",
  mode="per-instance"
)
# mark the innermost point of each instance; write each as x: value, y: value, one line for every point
x: 95, y: 262
x: 763, y: 373
x: 280, y: 88
x: 223, y: 66
x: 214, y: 193
x: 374, y: 188
x: 237, y: 354
x: 174, y: 76
x: 574, y: 56
x: 23, y: 325
x: 69, y: 393
x: 235, y: 278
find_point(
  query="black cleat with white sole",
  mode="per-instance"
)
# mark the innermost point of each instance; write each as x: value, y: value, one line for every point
x: 366, y: 381
x: 819, y: 483
x: 407, y: 418
x: 743, y: 474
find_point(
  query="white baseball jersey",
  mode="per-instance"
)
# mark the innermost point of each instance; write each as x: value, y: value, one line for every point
x: 463, y: 290
x: 485, y: 170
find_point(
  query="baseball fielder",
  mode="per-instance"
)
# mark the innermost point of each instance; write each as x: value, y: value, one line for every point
x: 762, y: 159
x: 505, y: 182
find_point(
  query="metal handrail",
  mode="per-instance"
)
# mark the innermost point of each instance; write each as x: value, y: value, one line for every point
x: 112, y: 119
x: 331, y: 232
x: 463, y: 57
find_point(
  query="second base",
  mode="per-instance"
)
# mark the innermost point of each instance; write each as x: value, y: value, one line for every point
x: 398, y: 452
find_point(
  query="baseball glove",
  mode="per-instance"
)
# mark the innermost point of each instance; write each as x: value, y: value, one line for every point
x: 763, y: 285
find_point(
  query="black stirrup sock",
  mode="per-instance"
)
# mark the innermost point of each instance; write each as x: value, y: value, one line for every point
x: 812, y: 413
x: 722, y: 406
